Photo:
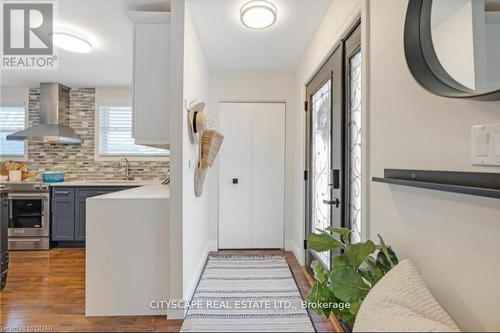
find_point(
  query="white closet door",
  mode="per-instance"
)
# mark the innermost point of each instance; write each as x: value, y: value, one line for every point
x: 251, y: 212
x: 268, y: 176
x: 235, y: 219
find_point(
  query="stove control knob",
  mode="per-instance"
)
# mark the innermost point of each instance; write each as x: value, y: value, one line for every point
x: 45, y: 187
x: 37, y: 187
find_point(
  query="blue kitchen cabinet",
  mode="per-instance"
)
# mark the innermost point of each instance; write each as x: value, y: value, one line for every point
x: 63, y: 213
x: 69, y: 206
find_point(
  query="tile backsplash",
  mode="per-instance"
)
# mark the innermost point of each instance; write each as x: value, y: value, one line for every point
x: 77, y: 161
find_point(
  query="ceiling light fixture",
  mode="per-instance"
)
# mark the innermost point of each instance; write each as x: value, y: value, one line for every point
x: 70, y: 42
x: 258, y: 14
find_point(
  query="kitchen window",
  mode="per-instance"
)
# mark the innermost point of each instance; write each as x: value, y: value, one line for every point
x: 115, y: 135
x: 12, y: 119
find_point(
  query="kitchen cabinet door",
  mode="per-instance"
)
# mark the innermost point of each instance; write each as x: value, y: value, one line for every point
x: 151, y: 84
x: 80, y: 220
x: 63, y: 214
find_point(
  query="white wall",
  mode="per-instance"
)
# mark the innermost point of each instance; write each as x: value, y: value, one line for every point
x: 493, y: 48
x: 191, y: 218
x: 176, y: 154
x: 198, y: 213
x: 453, y: 39
x: 258, y: 87
x: 452, y: 238
x: 340, y: 16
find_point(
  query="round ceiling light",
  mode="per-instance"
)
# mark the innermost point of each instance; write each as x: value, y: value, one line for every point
x: 258, y: 14
x: 70, y: 42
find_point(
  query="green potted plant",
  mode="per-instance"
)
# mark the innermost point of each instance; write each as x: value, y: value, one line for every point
x: 341, y: 289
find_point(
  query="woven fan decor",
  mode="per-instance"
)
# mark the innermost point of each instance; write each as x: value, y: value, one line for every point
x: 199, y: 180
x: 211, y: 140
x: 210, y: 144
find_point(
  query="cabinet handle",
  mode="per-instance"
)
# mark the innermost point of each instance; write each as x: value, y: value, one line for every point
x: 62, y: 192
x: 101, y: 193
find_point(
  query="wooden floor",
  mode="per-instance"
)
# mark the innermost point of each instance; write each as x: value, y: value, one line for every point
x: 45, y: 291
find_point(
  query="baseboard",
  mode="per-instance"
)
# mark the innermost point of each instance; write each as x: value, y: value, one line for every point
x: 174, y: 314
x: 210, y: 247
x: 290, y: 245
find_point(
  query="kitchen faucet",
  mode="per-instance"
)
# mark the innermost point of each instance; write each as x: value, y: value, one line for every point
x: 127, y: 168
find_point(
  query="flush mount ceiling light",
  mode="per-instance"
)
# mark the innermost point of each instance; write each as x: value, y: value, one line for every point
x: 258, y: 14
x: 70, y: 42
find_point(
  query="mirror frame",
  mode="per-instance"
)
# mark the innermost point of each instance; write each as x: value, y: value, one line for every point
x: 422, y: 59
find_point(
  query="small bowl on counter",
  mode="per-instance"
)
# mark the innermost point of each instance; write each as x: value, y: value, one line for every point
x: 52, y: 177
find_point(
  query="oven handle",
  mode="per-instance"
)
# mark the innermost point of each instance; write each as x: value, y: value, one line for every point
x: 11, y: 215
x: 27, y: 195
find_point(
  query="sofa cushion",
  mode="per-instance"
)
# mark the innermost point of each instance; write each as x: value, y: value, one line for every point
x: 400, y: 301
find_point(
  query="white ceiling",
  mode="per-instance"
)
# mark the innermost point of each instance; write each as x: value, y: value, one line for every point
x: 230, y: 46
x: 105, y: 24
x: 227, y: 44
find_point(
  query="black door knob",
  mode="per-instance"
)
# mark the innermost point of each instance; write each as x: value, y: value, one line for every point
x: 235, y: 180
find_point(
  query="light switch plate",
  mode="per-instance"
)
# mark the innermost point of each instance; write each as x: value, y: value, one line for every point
x: 486, y: 145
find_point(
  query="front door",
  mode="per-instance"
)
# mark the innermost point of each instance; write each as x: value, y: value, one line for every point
x: 324, y: 187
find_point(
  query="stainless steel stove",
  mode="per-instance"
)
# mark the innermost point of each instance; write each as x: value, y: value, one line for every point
x: 29, y: 215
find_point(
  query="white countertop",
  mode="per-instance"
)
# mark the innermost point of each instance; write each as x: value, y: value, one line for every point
x: 107, y: 183
x: 93, y: 183
x: 153, y: 191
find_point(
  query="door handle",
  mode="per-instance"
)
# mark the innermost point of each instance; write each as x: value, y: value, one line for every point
x: 335, y: 202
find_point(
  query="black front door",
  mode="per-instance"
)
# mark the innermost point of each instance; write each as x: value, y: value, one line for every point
x: 324, y: 187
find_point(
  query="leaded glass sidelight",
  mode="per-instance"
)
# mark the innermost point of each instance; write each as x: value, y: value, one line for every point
x: 355, y: 156
x: 321, y: 161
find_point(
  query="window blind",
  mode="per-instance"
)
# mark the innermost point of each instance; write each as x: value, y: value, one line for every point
x: 12, y: 119
x: 115, y: 134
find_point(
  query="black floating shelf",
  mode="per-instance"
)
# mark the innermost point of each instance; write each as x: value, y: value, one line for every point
x: 472, y: 183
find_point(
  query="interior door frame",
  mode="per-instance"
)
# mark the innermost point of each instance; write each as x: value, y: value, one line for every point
x: 347, y: 47
x: 260, y: 101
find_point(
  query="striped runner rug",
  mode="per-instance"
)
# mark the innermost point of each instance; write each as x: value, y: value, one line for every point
x: 247, y: 294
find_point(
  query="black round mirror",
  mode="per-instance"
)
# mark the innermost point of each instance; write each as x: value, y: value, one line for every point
x: 452, y: 47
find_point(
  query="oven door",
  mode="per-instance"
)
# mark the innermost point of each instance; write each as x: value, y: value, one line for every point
x: 29, y: 214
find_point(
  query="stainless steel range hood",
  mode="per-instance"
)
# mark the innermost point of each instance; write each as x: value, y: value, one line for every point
x: 54, y: 118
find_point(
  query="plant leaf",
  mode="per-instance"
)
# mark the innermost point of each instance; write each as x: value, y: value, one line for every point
x: 355, y: 254
x: 372, y: 272
x: 385, y: 251
x: 320, y: 293
x: 323, y: 242
x: 318, y: 271
x: 355, y: 307
x: 341, y: 231
x: 338, y: 262
x: 347, y: 285
x: 345, y: 315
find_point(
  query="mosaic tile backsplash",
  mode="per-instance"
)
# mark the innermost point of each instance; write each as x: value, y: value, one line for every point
x: 77, y: 161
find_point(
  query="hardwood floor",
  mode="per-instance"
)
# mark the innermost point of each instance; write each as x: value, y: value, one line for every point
x: 45, y: 291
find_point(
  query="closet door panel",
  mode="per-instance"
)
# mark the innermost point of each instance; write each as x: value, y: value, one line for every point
x: 235, y: 176
x: 268, y: 175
